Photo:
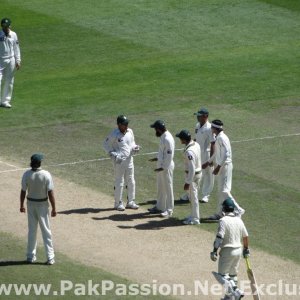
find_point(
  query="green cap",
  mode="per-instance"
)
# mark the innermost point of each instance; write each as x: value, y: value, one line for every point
x: 37, y: 157
x: 5, y: 22
x: 184, y: 134
x: 202, y: 112
x: 228, y: 204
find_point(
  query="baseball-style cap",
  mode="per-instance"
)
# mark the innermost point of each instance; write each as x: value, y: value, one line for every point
x: 202, y: 112
x: 5, y: 22
x: 122, y: 120
x: 228, y: 203
x: 159, y: 124
x: 37, y: 157
x: 184, y: 134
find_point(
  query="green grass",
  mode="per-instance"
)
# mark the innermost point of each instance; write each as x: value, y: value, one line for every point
x: 68, y: 278
x: 86, y: 62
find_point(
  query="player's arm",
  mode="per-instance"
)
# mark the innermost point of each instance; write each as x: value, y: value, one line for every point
x: 22, y: 200
x: 52, y: 202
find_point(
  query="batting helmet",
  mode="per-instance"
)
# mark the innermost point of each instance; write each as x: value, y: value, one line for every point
x: 122, y: 120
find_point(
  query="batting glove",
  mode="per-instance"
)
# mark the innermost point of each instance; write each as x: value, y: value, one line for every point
x: 246, y: 252
x: 119, y: 159
x: 213, y: 256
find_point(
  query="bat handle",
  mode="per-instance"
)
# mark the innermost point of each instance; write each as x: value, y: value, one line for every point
x: 248, y: 263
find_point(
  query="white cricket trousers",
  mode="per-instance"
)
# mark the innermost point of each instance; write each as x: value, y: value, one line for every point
x: 165, y: 195
x: 224, y: 179
x: 7, y: 72
x: 38, y: 214
x: 229, y: 261
x: 124, y: 173
x: 207, y: 179
x: 193, y: 196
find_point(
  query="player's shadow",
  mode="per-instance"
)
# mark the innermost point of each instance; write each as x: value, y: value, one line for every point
x: 7, y: 263
x: 85, y: 210
x: 123, y: 217
x: 154, y: 224
x: 148, y: 202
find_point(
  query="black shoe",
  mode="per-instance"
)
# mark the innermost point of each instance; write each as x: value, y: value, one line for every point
x: 154, y: 210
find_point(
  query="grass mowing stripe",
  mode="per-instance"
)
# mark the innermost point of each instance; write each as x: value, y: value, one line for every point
x: 140, y: 154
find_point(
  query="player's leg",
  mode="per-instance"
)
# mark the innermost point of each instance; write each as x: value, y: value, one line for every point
x: 44, y: 222
x: 130, y: 183
x: 32, y: 231
x: 119, y: 185
x: 8, y: 82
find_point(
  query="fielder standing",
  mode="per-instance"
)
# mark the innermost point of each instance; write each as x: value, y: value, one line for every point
x: 230, y: 233
x: 206, y: 140
x: 39, y: 185
x: 10, y: 61
x: 120, y: 146
x: 164, y: 170
x: 223, y: 158
x: 192, y: 164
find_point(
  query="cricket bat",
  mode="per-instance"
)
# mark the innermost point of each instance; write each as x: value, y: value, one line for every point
x: 252, y: 279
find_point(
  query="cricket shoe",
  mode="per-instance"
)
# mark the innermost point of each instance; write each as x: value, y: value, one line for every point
x: 184, y: 197
x: 191, y: 221
x: 50, y: 262
x: 204, y: 199
x: 132, y: 205
x: 154, y: 210
x: 120, y: 207
x: 214, y: 217
x: 5, y: 105
x: 239, y: 212
x: 31, y: 260
x: 166, y: 214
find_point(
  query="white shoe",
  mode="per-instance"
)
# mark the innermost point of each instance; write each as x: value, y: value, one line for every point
x: 31, y: 260
x: 120, y: 207
x: 239, y: 212
x: 204, y: 199
x: 191, y: 221
x: 184, y: 197
x: 6, y: 105
x: 166, y: 214
x: 50, y: 262
x: 132, y: 205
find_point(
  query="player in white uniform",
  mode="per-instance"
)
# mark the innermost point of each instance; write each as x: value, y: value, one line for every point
x: 192, y: 165
x: 120, y: 146
x: 10, y: 61
x: 222, y: 157
x: 164, y: 170
x: 39, y: 185
x: 230, y: 233
x: 206, y: 140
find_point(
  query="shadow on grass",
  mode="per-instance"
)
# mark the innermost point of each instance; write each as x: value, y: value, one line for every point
x: 87, y: 210
x: 148, y: 202
x: 155, y: 224
x: 7, y: 263
x: 123, y: 217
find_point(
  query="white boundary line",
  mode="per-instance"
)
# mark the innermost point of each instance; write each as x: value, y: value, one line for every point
x: 142, y: 154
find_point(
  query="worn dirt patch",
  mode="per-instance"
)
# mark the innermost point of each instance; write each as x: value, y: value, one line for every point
x: 133, y: 244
